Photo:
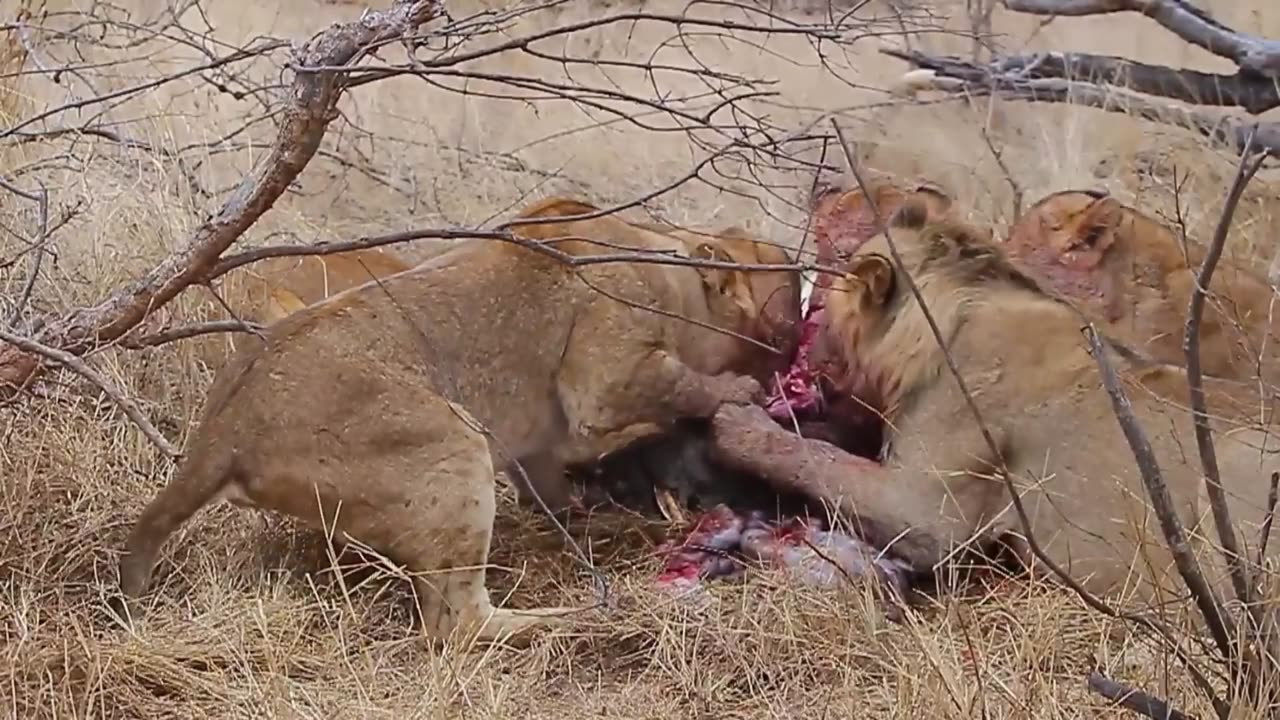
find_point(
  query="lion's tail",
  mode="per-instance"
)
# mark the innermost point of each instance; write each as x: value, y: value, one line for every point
x: 197, y: 482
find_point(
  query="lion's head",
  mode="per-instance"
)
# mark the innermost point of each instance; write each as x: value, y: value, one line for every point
x: 875, y: 323
x: 843, y: 219
x: 1083, y: 244
x: 765, y: 303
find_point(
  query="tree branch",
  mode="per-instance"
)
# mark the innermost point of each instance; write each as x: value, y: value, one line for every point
x: 311, y: 106
x: 82, y: 368
x: 1219, y: 623
x: 188, y: 331
x: 1249, y: 166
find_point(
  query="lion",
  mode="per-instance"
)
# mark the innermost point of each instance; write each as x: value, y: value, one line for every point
x: 382, y: 411
x: 1025, y: 361
x: 843, y: 219
x: 772, y: 298
x: 267, y: 290
x: 1130, y: 274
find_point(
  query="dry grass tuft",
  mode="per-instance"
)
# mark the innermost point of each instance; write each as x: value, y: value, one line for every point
x: 248, y: 618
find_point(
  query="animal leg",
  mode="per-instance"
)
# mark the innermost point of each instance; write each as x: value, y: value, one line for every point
x: 921, y: 513
x: 656, y: 388
x: 457, y: 597
x: 543, y: 474
x: 428, y: 507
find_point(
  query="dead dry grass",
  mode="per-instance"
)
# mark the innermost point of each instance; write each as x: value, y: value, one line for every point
x: 249, y: 621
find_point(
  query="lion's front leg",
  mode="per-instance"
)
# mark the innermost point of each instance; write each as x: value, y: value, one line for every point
x: 891, y: 507
x: 657, y: 388
x: 747, y: 438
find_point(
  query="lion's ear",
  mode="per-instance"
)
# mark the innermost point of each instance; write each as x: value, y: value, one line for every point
x: 875, y: 274
x: 715, y: 278
x: 913, y: 214
x: 281, y: 304
x: 728, y: 283
x: 1096, y: 222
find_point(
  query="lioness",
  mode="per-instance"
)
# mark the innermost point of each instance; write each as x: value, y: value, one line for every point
x: 1129, y: 273
x: 383, y: 410
x: 1024, y: 359
x: 267, y: 290
x: 769, y: 303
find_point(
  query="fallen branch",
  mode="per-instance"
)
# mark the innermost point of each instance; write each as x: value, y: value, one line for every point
x: 963, y: 79
x: 1131, y: 699
x: 311, y: 106
x: 1250, y: 53
x: 1256, y: 95
x: 82, y: 368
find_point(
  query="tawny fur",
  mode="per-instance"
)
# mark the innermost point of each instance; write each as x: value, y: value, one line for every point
x: 768, y: 303
x: 383, y: 410
x: 265, y: 291
x: 1025, y: 361
x: 1130, y: 273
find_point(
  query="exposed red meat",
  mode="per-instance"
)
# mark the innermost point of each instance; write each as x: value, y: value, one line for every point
x: 721, y: 541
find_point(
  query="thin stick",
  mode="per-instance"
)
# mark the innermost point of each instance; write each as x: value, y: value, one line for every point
x: 41, y: 199
x: 1273, y: 496
x: 1248, y: 167
x: 80, y: 367
x: 189, y: 331
x: 1220, y: 625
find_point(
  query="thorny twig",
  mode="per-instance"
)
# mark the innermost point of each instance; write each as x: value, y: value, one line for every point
x: 1016, y: 499
x: 41, y: 199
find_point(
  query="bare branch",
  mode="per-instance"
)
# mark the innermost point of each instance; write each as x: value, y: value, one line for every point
x: 189, y: 331
x: 1220, y: 625
x: 310, y: 109
x: 79, y: 366
x: 41, y: 199
x: 1264, y: 534
x: 546, y: 247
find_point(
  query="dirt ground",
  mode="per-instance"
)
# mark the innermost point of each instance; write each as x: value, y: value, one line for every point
x: 248, y: 619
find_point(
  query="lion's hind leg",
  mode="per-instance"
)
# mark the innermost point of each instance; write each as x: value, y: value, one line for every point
x: 427, y: 503
x: 441, y: 531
